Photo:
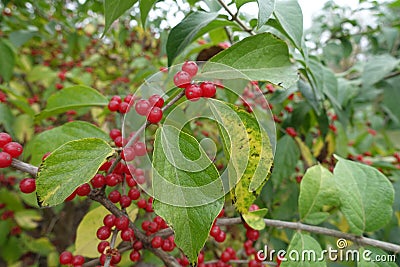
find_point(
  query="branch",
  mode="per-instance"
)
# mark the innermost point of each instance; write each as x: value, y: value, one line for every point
x: 392, y: 75
x: 235, y: 18
x: 24, y: 167
x: 360, y: 240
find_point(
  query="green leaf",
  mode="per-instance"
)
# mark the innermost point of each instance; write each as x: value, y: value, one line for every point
x: 185, y: 32
x: 72, y: 98
x: 262, y: 57
x: 305, y: 246
x: 290, y: 17
x: 113, y: 9
x: 145, y: 7
x: 240, y: 3
x: 50, y: 140
x: 41, y: 246
x: 68, y: 167
x: 18, y: 38
x: 27, y: 219
x: 286, y: 156
x: 6, y: 118
x: 366, y: 196
x: 7, y: 61
x: 255, y: 219
x: 249, y: 149
x: 376, y: 68
x: 12, y: 250
x: 265, y: 10
x: 86, y: 240
x: 317, y: 189
x: 176, y: 182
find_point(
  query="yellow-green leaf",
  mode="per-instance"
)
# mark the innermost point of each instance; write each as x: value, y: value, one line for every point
x: 255, y: 218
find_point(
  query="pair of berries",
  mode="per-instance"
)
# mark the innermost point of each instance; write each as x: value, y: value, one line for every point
x: 8, y: 150
x: 193, y: 91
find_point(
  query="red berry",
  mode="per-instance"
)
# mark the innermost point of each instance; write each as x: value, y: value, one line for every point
x: 142, y: 107
x: 134, y: 256
x: 103, y: 233
x: 252, y: 234
x: 61, y: 75
x: 114, y: 196
x: 101, y: 247
x: 128, y: 154
x: 78, y: 260
x: 254, y: 263
x: 225, y: 256
x: 137, y: 245
x: 215, y: 231
x: 27, y: 185
x: 124, y: 107
x: 119, y: 141
x: 128, y: 234
x: 14, y: 149
x: 116, y: 98
x: 109, y: 220
x: 128, y: 99
x: 221, y: 237
x: 116, y: 258
x: 155, y: 115
x: 142, y: 203
x: 5, y: 138
x: 125, y: 201
x: 193, y: 92
x: 83, y: 190
x: 66, y: 258
x: 122, y: 223
x: 98, y: 181
x: 190, y: 67
x: 253, y: 207
x: 59, y: 86
x: 134, y: 194
x: 156, y: 242
x: 112, y: 179
x: 71, y: 197
x: 208, y: 89
x: 140, y: 179
x: 114, y: 133
x: 5, y: 160
x: 291, y: 131
x: 156, y: 101
x: 140, y: 148
x: 182, y: 79
x: 167, y: 246
x: 113, y: 106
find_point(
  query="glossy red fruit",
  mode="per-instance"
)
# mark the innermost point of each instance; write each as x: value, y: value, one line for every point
x: 156, y: 242
x: 208, y: 89
x: 78, y: 260
x: 109, y: 220
x: 113, y: 106
x: 5, y: 138
x: 124, y: 107
x: 134, y: 194
x: 221, y: 237
x: 252, y: 234
x: 134, y: 256
x: 142, y: 203
x: 128, y: 234
x: 27, y: 185
x: 225, y: 256
x: 101, y: 247
x: 182, y: 79
x: 83, y: 190
x: 103, y: 233
x: 142, y: 107
x: 66, y: 258
x: 140, y: 149
x: 155, y: 115
x: 156, y: 100
x: 190, y: 67
x: 14, y: 149
x: 125, y: 201
x: 128, y: 154
x: 122, y: 223
x: 193, y: 92
x: 5, y: 160
x: 98, y: 181
x: 291, y: 131
x: 114, y: 196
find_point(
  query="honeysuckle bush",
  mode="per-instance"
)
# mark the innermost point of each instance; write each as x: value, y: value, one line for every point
x: 201, y: 143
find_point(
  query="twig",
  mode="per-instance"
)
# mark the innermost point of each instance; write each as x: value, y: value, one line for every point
x: 25, y: 167
x: 235, y: 18
x: 360, y: 240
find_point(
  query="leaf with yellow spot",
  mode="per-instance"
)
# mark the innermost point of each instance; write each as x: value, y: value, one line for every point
x: 248, y: 148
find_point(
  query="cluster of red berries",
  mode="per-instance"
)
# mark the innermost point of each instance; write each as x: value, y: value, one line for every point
x: 7, y: 181
x: 129, y: 152
x: 8, y: 150
x: 151, y: 108
x: 291, y: 131
x: 66, y: 258
x: 252, y: 97
x: 193, y: 91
